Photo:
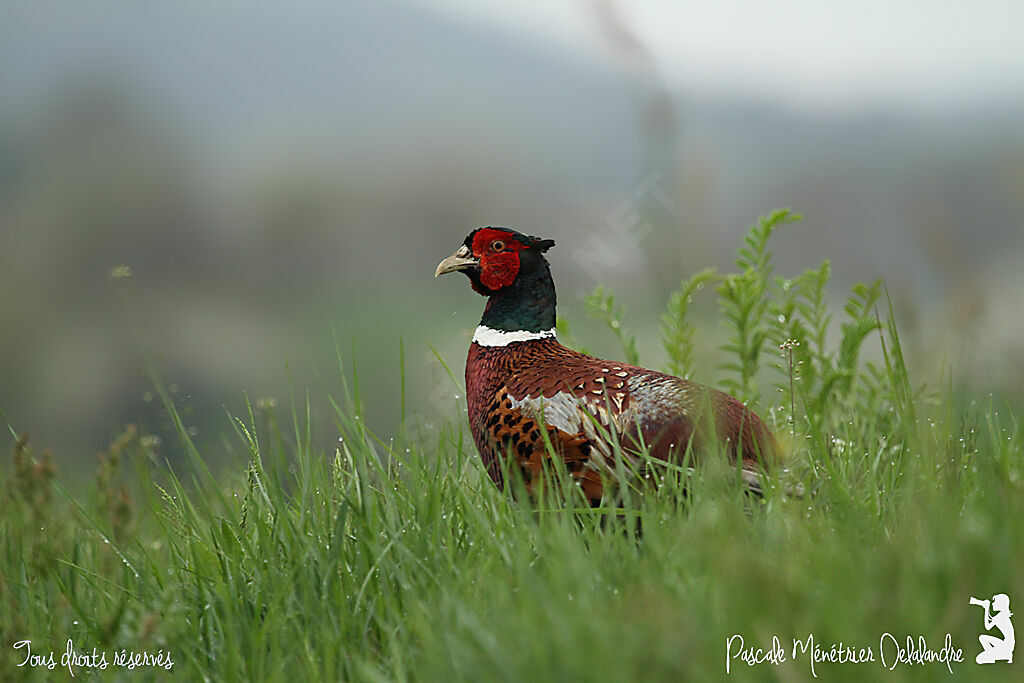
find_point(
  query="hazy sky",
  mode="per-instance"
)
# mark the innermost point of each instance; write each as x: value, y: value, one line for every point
x: 839, y: 55
x: 818, y: 53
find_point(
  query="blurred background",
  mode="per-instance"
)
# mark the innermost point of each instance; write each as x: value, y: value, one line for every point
x: 233, y: 194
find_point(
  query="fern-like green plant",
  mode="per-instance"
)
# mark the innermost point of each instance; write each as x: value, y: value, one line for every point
x: 600, y: 304
x: 676, y: 329
x: 861, y: 322
x: 798, y: 321
x: 743, y: 300
x: 823, y: 376
x: 812, y: 306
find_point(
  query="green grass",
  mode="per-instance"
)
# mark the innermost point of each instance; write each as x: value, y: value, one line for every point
x: 385, y: 559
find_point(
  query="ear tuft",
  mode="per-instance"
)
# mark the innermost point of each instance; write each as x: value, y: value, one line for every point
x: 542, y: 245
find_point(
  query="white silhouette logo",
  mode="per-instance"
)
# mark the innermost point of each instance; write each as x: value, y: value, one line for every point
x: 995, y: 649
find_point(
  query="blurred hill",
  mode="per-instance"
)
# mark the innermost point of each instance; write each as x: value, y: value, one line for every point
x: 274, y: 176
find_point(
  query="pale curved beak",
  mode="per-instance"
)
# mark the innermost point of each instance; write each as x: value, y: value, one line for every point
x: 460, y: 260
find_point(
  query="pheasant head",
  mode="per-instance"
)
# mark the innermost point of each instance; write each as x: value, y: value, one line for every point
x: 509, y: 268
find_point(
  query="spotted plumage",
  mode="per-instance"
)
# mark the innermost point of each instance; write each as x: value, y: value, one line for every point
x: 529, y: 396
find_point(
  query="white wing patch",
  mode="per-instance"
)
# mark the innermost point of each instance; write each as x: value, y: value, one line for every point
x: 662, y: 395
x: 575, y: 416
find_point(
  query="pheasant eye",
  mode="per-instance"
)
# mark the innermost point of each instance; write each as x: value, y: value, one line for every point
x: 497, y: 245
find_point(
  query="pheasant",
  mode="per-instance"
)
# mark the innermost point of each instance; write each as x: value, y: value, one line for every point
x: 525, y: 391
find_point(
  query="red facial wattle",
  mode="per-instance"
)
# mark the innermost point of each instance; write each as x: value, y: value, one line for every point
x: 498, y: 252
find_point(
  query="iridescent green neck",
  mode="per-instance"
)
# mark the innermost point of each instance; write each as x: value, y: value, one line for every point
x: 527, y: 304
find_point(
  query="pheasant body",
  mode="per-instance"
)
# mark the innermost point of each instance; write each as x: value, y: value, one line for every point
x: 525, y: 390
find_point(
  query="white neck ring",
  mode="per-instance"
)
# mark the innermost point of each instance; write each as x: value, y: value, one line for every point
x: 485, y: 336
